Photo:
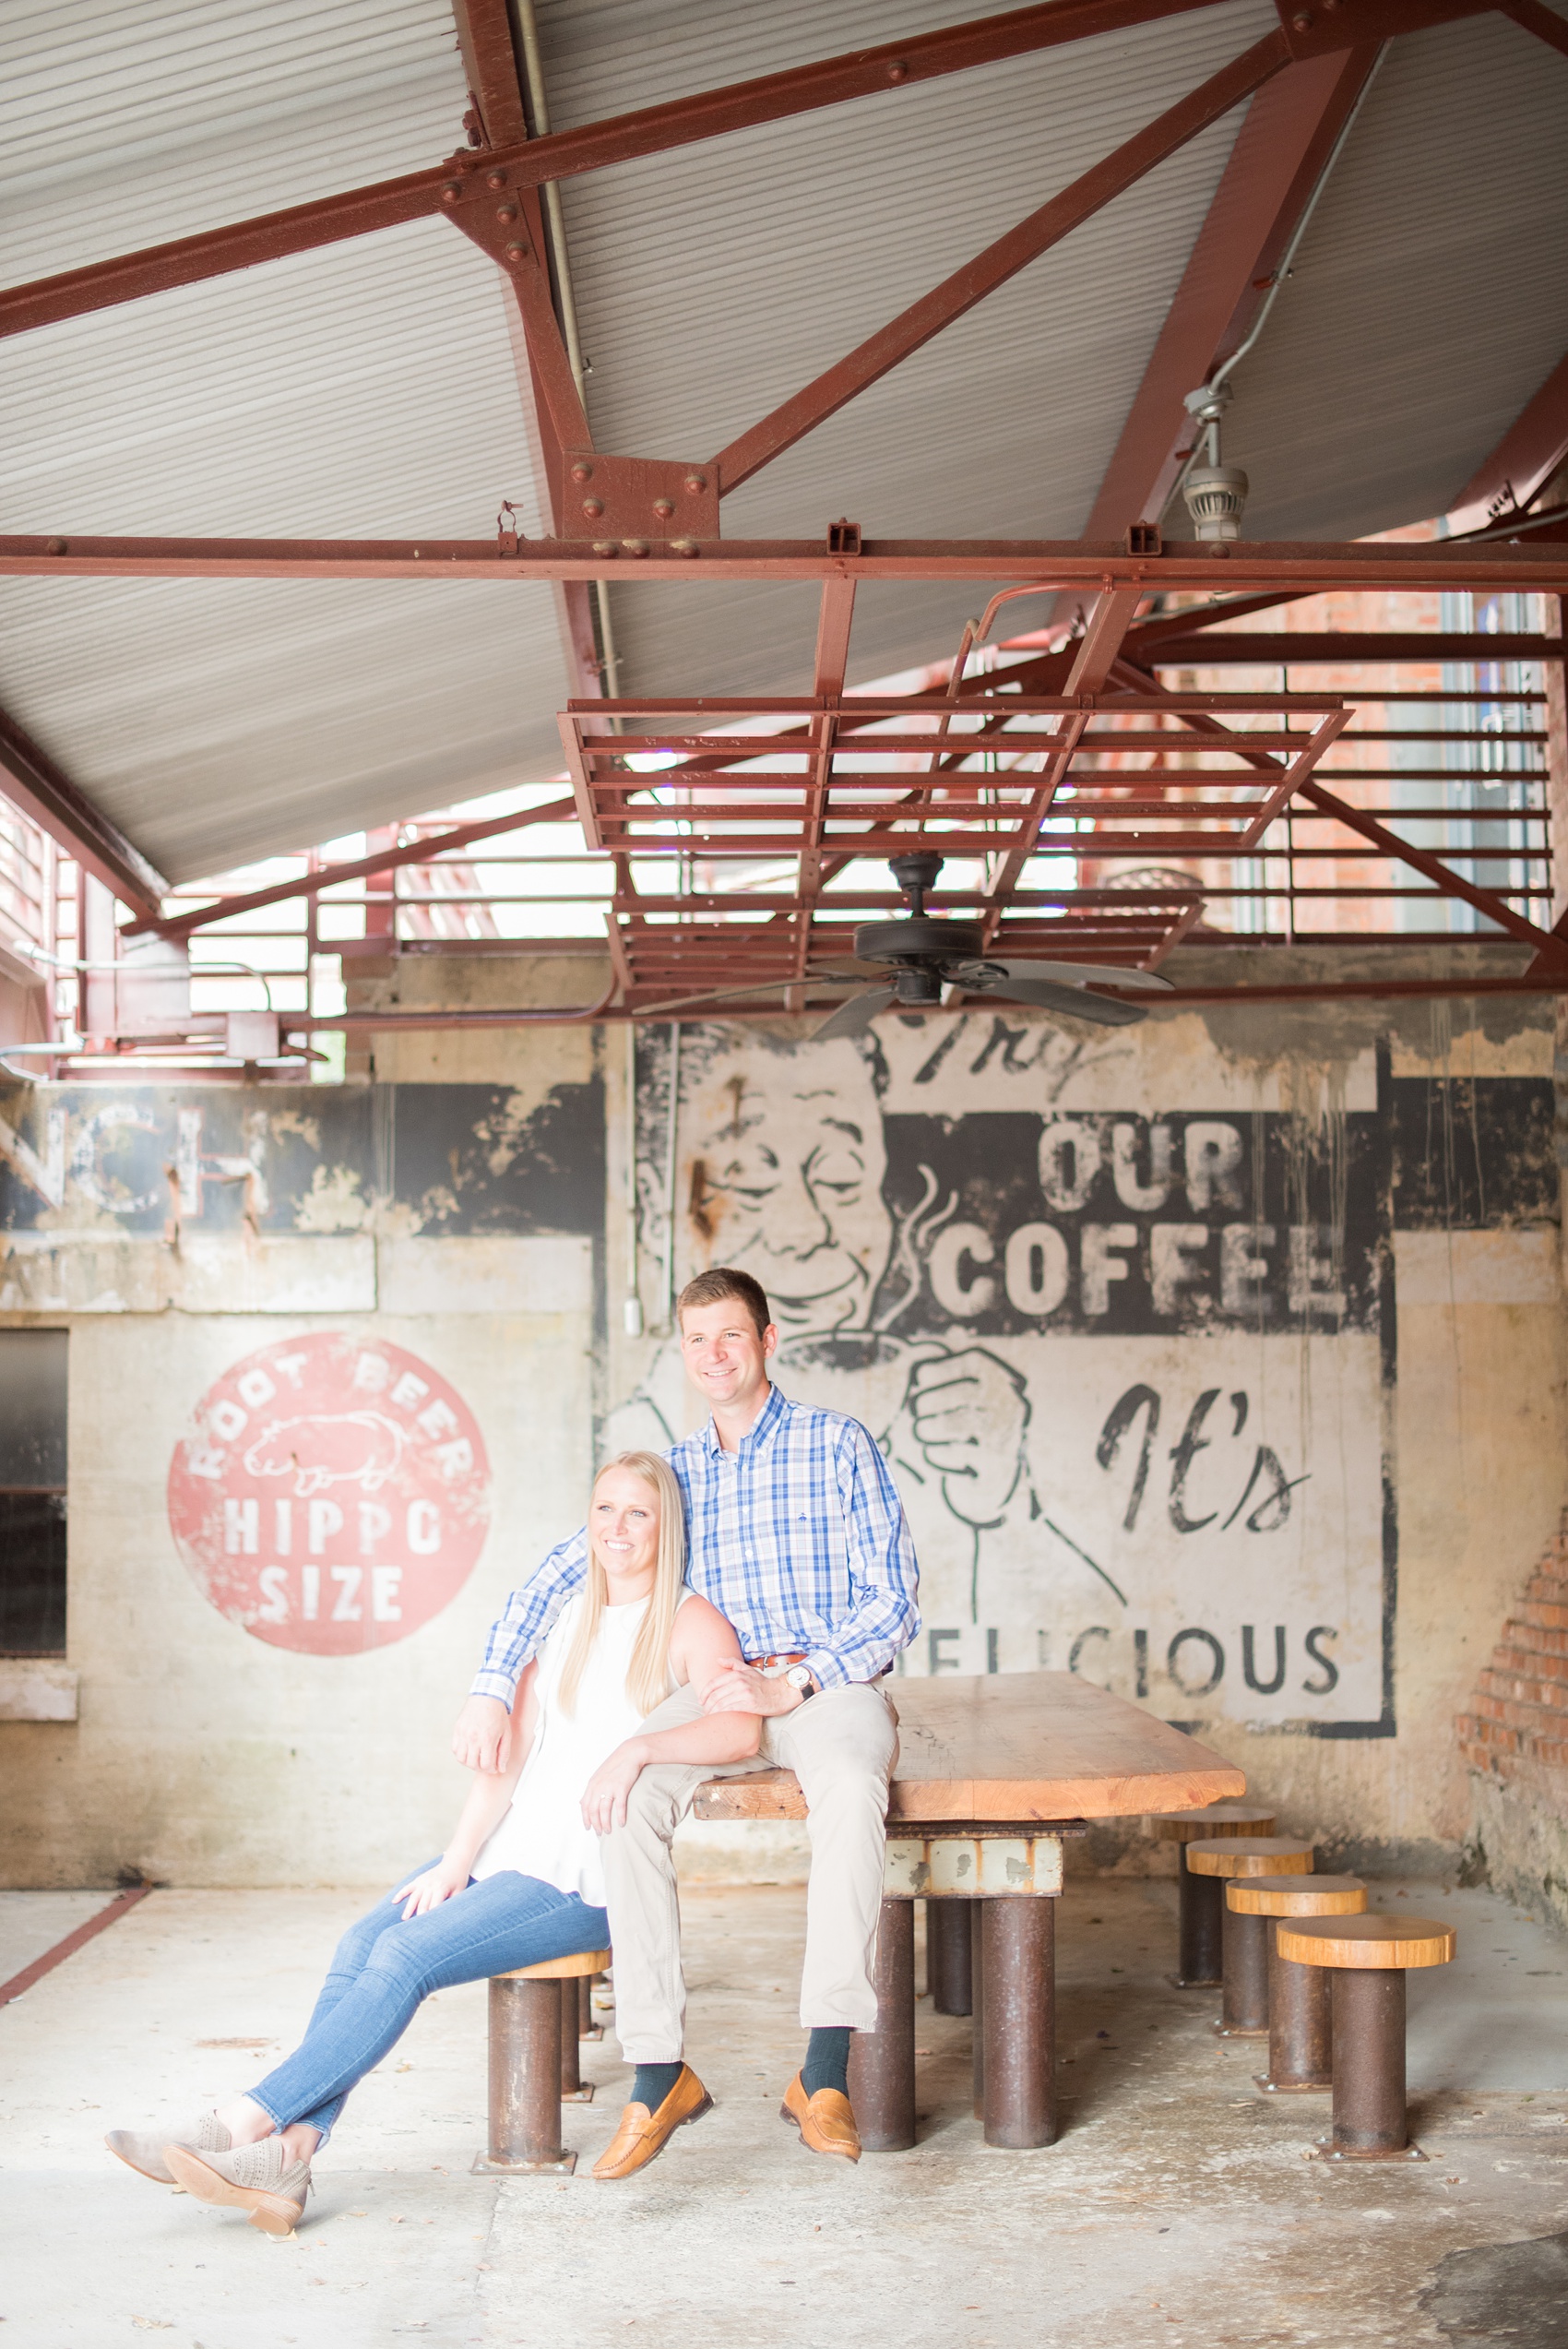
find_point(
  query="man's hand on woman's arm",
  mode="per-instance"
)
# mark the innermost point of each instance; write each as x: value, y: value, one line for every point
x: 482, y: 1738
x: 479, y: 1740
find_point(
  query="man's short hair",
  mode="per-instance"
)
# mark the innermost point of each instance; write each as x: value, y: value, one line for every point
x: 725, y: 1281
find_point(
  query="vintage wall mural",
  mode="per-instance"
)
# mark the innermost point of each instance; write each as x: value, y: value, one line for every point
x: 154, y: 1161
x: 1221, y: 1359
x: 332, y: 1493
x: 1121, y: 1315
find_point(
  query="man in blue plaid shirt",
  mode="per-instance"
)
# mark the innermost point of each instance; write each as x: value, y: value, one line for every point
x: 796, y: 1534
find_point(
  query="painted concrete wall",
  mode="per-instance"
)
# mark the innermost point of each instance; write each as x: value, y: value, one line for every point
x: 1342, y: 1229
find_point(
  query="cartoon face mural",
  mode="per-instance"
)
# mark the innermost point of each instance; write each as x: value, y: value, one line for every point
x: 786, y: 1178
x: 1124, y: 1338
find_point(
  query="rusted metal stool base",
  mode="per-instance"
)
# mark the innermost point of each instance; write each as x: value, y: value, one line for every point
x: 1199, y: 1966
x: 483, y: 2166
x: 1300, y: 2026
x: 1244, y: 1940
x: 1325, y: 2150
x: 534, y: 2015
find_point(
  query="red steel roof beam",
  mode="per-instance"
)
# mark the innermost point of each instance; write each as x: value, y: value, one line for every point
x: 959, y: 293
x: 551, y: 399
x: 1096, y: 653
x: 650, y: 131
x: 33, y: 783
x: 1520, y: 468
x: 1544, y: 23
x: 1309, y: 566
x: 1281, y: 150
x: 363, y: 868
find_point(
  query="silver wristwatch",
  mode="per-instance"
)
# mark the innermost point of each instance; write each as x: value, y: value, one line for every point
x: 799, y: 1678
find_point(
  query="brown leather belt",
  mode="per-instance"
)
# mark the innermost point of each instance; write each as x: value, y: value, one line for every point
x: 765, y: 1663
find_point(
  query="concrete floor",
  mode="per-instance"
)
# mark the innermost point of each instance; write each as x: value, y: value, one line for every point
x: 1176, y: 2209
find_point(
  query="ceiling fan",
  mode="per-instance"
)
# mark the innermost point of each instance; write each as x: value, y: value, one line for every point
x: 924, y: 954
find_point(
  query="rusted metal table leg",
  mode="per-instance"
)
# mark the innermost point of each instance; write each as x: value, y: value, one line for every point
x: 1200, y: 1965
x: 1301, y: 2035
x: 949, y: 1968
x: 1369, y: 2069
x: 587, y: 2027
x: 524, y: 2078
x: 1245, y: 2011
x: 977, y: 1999
x: 1019, y: 2022
x: 572, y: 2090
x: 882, y: 2062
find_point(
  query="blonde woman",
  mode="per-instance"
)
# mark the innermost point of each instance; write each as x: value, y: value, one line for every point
x: 520, y: 1880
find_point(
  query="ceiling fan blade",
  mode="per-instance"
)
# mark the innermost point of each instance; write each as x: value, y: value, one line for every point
x: 1077, y: 1001
x: 1107, y: 974
x: 852, y: 1018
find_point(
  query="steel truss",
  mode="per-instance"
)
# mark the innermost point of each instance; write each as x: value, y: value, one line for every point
x: 1080, y: 753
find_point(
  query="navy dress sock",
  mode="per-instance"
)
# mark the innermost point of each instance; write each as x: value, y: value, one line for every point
x: 827, y: 2062
x: 653, y: 2083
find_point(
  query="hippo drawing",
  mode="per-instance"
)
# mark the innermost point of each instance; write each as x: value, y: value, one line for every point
x: 321, y: 1449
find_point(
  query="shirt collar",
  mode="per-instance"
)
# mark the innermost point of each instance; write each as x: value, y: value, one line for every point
x: 763, y: 1429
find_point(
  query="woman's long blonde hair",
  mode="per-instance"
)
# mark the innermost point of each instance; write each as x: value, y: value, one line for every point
x: 648, y: 1675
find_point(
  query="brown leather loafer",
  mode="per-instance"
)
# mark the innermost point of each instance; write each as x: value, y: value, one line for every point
x: 643, y: 2134
x: 826, y: 2121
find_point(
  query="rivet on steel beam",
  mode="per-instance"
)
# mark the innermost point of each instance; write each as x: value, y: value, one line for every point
x: 897, y: 70
x: 505, y: 211
x: 605, y: 547
x: 635, y: 545
x: 665, y: 506
x: 496, y: 179
x: 684, y: 545
x: 1219, y: 548
x: 1304, y: 20
x: 59, y: 546
x: 516, y: 255
x: 593, y: 507
x: 582, y: 470
x: 451, y: 193
x: 694, y: 482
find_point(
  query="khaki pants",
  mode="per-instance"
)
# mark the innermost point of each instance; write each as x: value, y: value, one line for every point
x: 841, y: 1744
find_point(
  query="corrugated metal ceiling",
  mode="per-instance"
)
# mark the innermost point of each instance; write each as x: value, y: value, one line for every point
x: 367, y: 389
x: 1430, y: 297
x: 370, y: 388
x: 714, y: 282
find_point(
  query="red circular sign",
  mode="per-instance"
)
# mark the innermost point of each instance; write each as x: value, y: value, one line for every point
x: 333, y: 1494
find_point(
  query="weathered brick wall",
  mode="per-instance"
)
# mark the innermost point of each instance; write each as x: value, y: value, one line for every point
x: 1515, y: 1738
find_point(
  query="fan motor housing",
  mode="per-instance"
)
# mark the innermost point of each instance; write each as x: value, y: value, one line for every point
x: 918, y: 939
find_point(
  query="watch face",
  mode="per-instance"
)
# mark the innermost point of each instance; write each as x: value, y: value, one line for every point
x: 798, y: 1677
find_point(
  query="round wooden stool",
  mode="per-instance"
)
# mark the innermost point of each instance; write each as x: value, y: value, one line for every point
x: 1367, y: 1957
x: 1244, y: 1968
x: 1199, y: 1954
x: 1299, y: 2035
x: 533, y: 2062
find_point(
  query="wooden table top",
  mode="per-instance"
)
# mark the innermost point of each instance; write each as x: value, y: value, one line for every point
x: 1013, y: 1745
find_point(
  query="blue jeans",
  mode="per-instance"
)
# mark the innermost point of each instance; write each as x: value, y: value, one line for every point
x: 382, y: 1968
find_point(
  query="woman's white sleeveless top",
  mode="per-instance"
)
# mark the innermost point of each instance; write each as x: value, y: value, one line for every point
x: 542, y: 1833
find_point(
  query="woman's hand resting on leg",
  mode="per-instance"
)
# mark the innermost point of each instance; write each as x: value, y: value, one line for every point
x: 438, y: 1884
x: 608, y: 1791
